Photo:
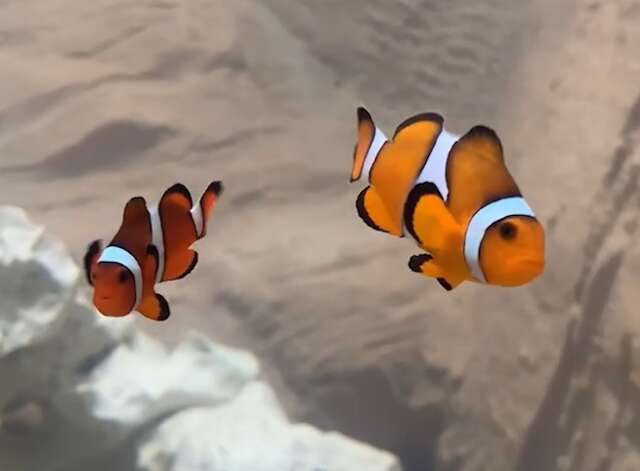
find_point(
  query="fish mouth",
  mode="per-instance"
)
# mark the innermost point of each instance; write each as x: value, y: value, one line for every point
x: 102, y: 300
x: 529, y: 268
x: 106, y: 308
x: 520, y: 272
x: 536, y: 264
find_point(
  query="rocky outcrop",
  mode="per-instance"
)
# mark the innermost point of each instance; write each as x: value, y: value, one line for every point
x: 80, y: 391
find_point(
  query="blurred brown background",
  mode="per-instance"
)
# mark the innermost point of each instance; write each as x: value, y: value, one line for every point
x: 107, y: 99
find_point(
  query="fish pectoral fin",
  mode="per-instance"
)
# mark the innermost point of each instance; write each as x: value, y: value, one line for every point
x: 444, y: 283
x: 416, y: 262
x: 181, y: 266
x: 373, y: 212
x: 90, y: 258
x: 449, y: 282
x: 427, y: 266
x: 155, y: 307
x: 433, y: 225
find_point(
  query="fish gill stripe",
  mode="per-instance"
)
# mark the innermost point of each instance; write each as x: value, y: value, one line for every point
x: 157, y: 238
x: 484, y: 218
x: 114, y: 254
x: 378, y: 142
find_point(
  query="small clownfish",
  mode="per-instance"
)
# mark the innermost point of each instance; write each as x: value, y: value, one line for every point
x: 151, y: 246
x: 454, y: 196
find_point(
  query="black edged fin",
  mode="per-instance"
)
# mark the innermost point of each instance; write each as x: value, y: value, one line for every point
x: 165, y: 312
x: 135, y: 208
x: 216, y: 187
x: 153, y: 251
x: 445, y: 284
x: 92, y: 250
x: 136, y: 200
x: 416, y: 262
x: 180, y: 189
x: 364, y: 115
x: 485, y: 133
x: 433, y: 117
x: 194, y: 262
x: 366, y: 132
x: 417, y: 192
x: 364, y: 215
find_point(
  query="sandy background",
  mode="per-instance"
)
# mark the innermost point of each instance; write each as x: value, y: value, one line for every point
x: 107, y: 99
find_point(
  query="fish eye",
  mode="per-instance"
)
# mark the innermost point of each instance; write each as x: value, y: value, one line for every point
x: 123, y: 276
x: 508, y: 230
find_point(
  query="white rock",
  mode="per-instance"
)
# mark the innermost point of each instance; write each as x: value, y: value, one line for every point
x: 36, y: 281
x: 105, y: 390
x: 251, y: 433
x: 142, y: 379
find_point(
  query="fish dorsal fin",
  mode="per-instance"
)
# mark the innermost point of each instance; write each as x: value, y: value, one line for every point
x: 401, y: 161
x: 484, y: 144
x: 134, y: 210
x: 135, y: 231
x: 476, y: 172
x: 423, y: 118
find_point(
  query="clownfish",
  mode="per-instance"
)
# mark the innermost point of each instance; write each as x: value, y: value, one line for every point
x: 151, y: 246
x: 453, y: 195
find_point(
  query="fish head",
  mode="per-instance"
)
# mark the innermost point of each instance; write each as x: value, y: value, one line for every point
x: 512, y: 251
x: 114, y: 289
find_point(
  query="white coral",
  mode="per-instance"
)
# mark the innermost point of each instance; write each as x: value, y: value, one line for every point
x: 107, y: 387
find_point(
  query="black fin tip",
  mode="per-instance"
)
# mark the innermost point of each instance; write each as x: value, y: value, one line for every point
x: 416, y: 262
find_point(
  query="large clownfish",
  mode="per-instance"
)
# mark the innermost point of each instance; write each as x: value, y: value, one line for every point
x: 454, y: 196
x: 151, y: 246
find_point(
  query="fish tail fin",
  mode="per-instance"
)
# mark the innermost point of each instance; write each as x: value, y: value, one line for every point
x: 201, y: 212
x: 370, y: 140
x: 373, y: 212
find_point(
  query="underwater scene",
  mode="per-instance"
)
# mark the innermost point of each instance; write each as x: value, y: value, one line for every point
x: 338, y: 235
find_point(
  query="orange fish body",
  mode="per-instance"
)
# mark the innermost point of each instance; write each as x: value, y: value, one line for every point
x: 151, y: 246
x: 454, y: 196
